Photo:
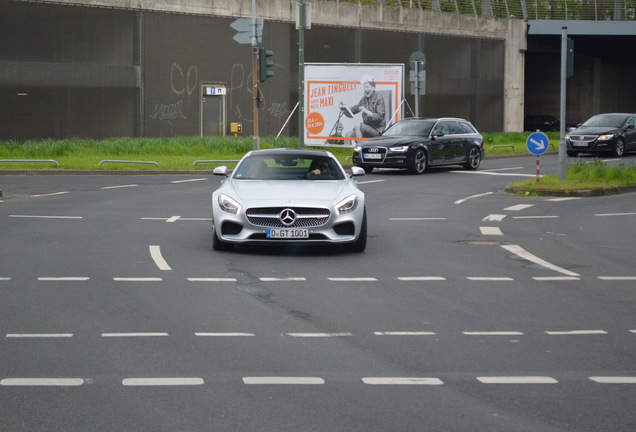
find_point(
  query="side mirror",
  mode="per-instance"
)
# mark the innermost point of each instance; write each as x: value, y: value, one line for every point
x: 220, y: 171
x: 356, y: 171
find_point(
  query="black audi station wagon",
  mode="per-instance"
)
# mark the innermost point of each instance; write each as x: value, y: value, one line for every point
x: 417, y: 143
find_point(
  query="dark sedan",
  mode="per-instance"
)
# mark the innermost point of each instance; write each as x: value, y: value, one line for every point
x: 417, y: 143
x: 604, y: 133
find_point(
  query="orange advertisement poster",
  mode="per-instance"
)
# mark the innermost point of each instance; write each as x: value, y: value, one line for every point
x: 346, y: 103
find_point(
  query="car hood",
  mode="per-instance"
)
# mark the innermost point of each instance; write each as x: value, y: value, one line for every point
x: 288, y: 192
x: 390, y: 141
x: 593, y: 130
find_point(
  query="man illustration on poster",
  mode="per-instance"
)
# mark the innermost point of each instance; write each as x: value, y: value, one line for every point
x: 372, y: 108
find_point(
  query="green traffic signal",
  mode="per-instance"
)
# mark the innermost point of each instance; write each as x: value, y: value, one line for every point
x: 263, y: 64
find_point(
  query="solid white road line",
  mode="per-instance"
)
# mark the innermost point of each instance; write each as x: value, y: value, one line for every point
x: 65, y: 279
x: 118, y: 186
x: 353, y: 279
x: 212, y: 279
x: 522, y: 253
x: 517, y: 380
x: 50, y: 194
x: 563, y: 199
x: 58, y: 382
x: 288, y: 279
x: 155, y: 253
x: 492, y: 279
x: 401, y: 381
x: 189, y: 180
x: 123, y: 335
x: 137, y: 382
x: 370, y: 181
x: 494, y: 333
x: 420, y: 278
x: 224, y: 334
x: 283, y: 380
x: 576, y: 332
x: 490, y: 231
x: 536, y: 217
x: 614, y: 380
x: 318, y: 335
x: 45, y: 217
x: 556, y: 278
x: 617, y: 278
x: 473, y: 196
x: 405, y: 333
x: 127, y: 279
x: 615, y: 214
x: 39, y: 335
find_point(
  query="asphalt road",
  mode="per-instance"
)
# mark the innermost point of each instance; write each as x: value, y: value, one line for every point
x: 470, y: 310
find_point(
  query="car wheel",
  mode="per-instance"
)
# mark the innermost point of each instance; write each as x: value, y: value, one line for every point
x: 620, y: 148
x: 474, y: 159
x: 572, y: 153
x: 418, y: 164
x: 217, y: 243
x: 361, y: 243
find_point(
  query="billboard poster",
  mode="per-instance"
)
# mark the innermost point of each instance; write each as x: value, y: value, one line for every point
x: 349, y: 102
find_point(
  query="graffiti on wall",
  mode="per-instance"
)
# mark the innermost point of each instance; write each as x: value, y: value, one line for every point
x: 182, y: 87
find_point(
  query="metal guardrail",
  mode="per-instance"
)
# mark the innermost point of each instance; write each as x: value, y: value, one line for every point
x: 132, y: 162
x: 501, y: 146
x: 32, y: 160
x: 212, y: 161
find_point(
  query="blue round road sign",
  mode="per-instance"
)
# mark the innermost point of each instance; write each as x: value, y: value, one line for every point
x: 537, y: 143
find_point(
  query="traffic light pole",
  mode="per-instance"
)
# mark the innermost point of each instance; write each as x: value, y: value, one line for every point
x: 301, y: 73
x: 256, y: 140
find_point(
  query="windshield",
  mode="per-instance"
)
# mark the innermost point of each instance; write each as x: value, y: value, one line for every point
x: 605, y: 121
x: 288, y: 167
x: 410, y: 128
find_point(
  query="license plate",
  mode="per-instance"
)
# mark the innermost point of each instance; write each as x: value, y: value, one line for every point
x: 288, y: 233
x: 372, y: 156
x: 579, y: 144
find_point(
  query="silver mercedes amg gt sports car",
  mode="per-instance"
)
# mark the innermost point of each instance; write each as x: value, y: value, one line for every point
x: 289, y: 196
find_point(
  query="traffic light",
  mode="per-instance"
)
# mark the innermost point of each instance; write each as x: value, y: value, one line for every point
x: 263, y: 64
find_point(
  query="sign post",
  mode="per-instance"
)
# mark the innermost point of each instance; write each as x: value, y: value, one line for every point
x: 417, y: 77
x: 537, y: 144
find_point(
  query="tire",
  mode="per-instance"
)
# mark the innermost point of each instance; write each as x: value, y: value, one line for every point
x: 474, y: 159
x: 218, y: 244
x: 619, y: 150
x: 572, y: 153
x: 361, y: 243
x: 419, y: 162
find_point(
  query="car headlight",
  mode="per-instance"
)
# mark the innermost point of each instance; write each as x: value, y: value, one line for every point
x: 228, y: 204
x: 606, y: 137
x: 400, y: 149
x: 347, y: 205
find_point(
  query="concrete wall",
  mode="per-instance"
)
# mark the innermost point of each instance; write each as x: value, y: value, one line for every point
x: 109, y: 69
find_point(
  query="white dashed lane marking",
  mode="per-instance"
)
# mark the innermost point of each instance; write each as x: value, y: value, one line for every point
x: 141, y: 382
x: 283, y: 380
x: 517, y: 380
x: 46, y: 382
x: 402, y: 381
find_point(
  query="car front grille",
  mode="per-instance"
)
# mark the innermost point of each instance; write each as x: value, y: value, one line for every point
x: 583, y: 138
x: 303, y: 217
x: 373, y: 154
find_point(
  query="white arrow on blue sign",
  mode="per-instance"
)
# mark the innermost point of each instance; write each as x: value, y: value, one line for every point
x: 537, y: 143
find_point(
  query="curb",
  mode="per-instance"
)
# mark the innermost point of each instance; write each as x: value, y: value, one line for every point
x: 578, y: 193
